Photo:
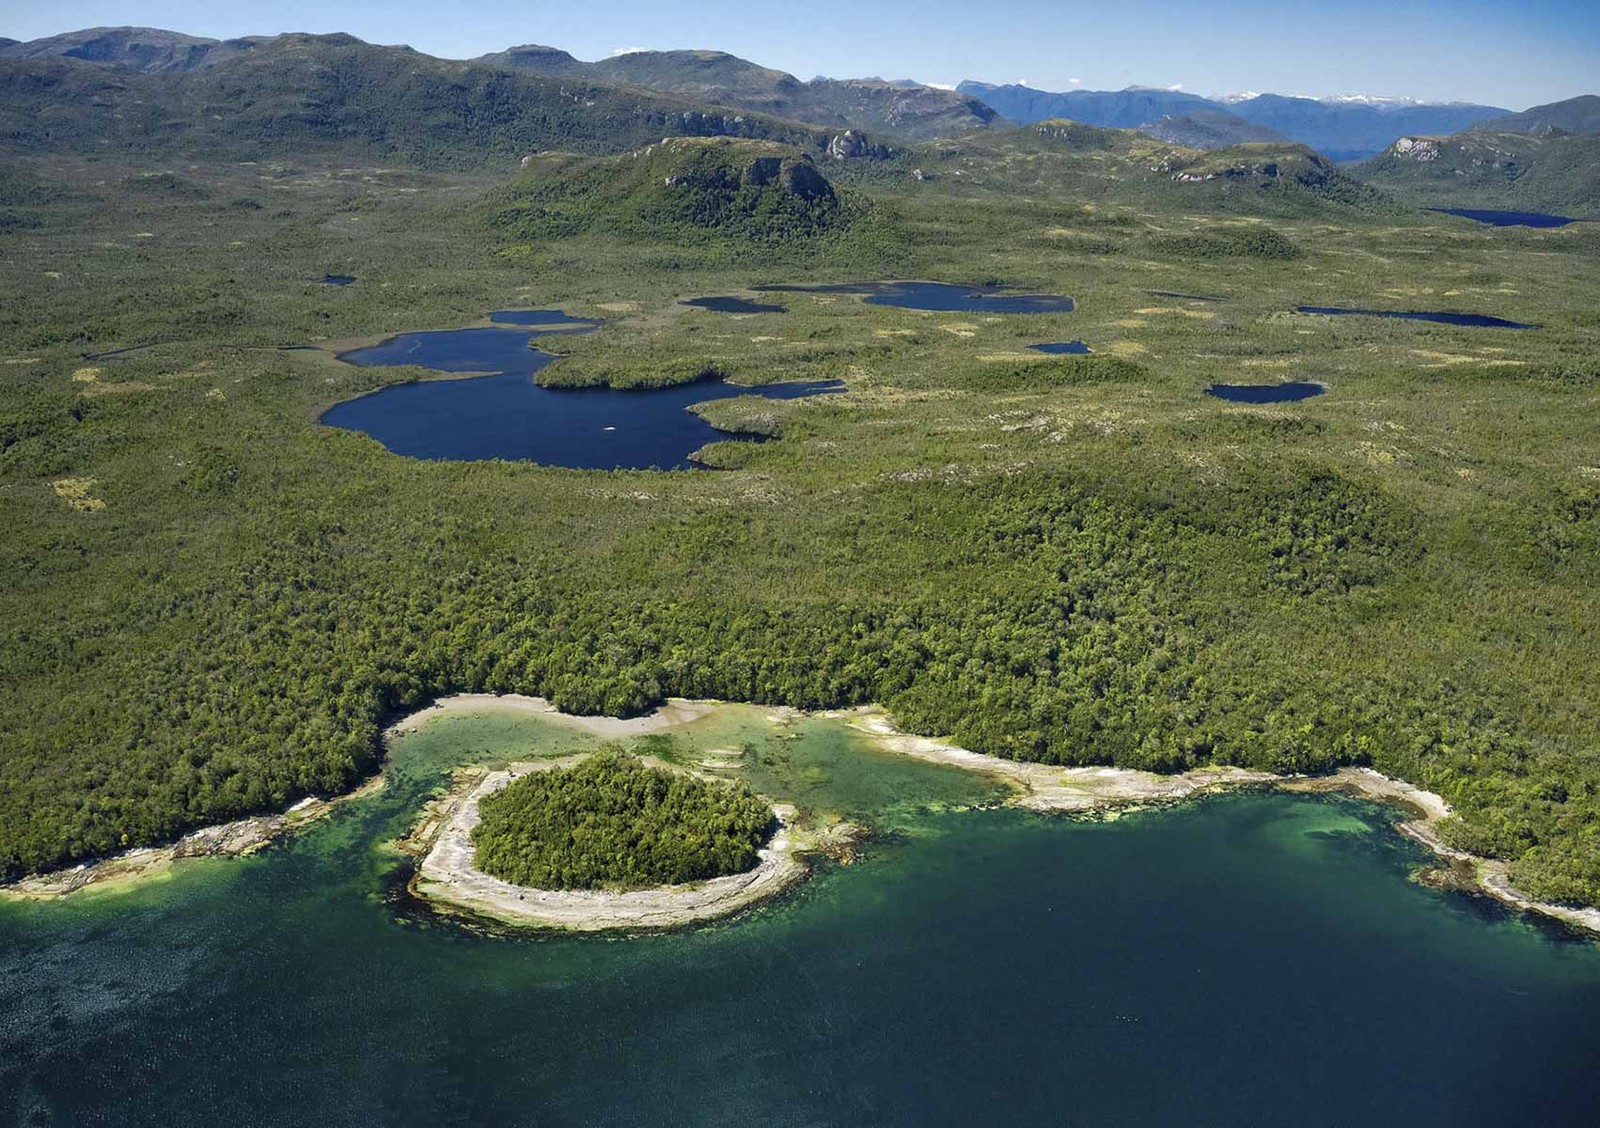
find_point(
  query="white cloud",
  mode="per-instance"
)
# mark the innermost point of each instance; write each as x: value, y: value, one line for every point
x: 1175, y: 87
x: 1075, y: 81
x: 628, y: 51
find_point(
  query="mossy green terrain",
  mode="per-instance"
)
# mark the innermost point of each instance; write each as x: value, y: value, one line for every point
x: 1079, y: 559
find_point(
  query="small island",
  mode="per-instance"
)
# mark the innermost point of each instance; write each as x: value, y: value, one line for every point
x: 606, y: 841
x: 613, y: 822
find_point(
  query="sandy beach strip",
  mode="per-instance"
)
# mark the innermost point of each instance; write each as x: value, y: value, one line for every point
x: 1046, y: 787
x: 677, y: 711
x: 447, y: 874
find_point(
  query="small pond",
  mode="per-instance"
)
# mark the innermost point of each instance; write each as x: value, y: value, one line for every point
x: 732, y: 305
x: 1287, y: 392
x: 1472, y: 320
x: 1507, y: 218
x: 940, y: 297
x: 1184, y: 297
x: 505, y: 414
x: 337, y: 279
x: 112, y: 354
x: 1062, y: 348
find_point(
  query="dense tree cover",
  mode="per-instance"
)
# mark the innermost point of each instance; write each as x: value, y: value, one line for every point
x: 1253, y: 241
x: 612, y: 822
x: 681, y: 188
x: 1550, y: 171
x: 1075, y: 559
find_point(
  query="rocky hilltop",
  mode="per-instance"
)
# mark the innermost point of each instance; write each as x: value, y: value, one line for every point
x: 685, y: 188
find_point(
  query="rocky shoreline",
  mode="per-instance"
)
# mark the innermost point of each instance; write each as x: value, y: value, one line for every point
x: 445, y: 875
x: 1041, y: 787
x: 226, y: 840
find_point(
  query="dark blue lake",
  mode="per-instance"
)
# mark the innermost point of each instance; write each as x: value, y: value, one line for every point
x: 1251, y: 960
x: 1507, y: 218
x: 542, y: 318
x: 733, y: 305
x: 1472, y: 320
x: 1287, y: 392
x: 337, y: 279
x: 1062, y: 348
x: 505, y: 414
x: 940, y: 297
x: 112, y: 354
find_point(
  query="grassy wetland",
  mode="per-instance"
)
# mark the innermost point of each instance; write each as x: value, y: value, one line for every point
x: 215, y: 603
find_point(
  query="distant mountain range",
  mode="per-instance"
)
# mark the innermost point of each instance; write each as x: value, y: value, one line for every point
x: 1341, y: 129
x: 146, y: 49
x: 296, y: 95
x: 905, y: 109
x: 709, y: 77
x: 105, y: 90
x: 1546, y: 159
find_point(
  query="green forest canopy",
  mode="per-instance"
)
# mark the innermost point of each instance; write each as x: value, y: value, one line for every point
x: 613, y: 821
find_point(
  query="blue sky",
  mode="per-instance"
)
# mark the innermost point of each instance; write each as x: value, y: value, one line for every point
x: 1506, y: 53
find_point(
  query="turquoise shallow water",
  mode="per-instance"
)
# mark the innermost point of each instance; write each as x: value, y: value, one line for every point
x: 1250, y: 959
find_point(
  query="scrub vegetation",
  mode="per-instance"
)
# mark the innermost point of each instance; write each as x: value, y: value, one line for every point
x: 1070, y: 559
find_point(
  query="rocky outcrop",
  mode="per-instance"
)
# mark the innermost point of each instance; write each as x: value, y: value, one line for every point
x: 850, y: 145
x: 1417, y: 148
x: 796, y: 176
x: 800, y: 178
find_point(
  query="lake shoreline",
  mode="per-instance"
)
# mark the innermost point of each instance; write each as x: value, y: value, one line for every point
x: 235, y: 839
x: 1045, y: 788
x: 446, y: 880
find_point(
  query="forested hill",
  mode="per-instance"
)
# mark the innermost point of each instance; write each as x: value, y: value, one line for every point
x: 1539, y: 167
x: 682, y: 189
x: 300, y: 94
x: 1580, y: 115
